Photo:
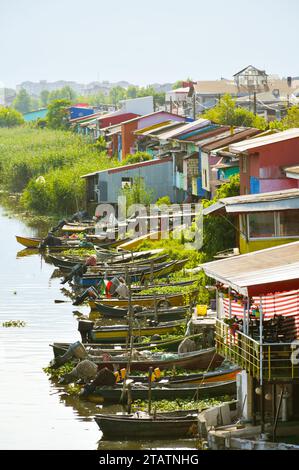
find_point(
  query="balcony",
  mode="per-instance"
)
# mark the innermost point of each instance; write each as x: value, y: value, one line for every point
x: 270, y: 361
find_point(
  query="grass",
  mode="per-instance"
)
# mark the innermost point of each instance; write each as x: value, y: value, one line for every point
x: 46, y: 165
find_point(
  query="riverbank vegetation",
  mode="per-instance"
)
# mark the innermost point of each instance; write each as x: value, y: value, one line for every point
x: 45, y: 166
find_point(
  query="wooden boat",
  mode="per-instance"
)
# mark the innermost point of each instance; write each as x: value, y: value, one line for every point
x: 167, y: 345
x: 68, y: 262
x: 116, y: 312
x: 170, y: 425
x: 28, y: 242
x: 162, y: 284
x: 162, y: 300
x: 196, y: 360
x: 219, y: 375
x: 119, y: 333
x: 78, y: 227
x: 160, y: 392
x: 136, y: 273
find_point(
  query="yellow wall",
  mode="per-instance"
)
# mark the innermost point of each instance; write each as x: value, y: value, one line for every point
x: 247, y: 247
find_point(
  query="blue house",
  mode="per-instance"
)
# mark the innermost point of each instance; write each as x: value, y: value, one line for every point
x: 80, y: 111
x: 34, y: 115
x: 105, y: 186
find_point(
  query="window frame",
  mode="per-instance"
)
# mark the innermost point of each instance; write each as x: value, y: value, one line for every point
x: 277, y: 235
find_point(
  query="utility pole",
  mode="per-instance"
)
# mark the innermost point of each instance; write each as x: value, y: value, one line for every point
x: 194, y: 106
x: 254, y: 102
x: 170, y: 104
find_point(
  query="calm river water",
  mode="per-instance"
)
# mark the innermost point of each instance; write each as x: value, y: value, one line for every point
x: 36, y: 414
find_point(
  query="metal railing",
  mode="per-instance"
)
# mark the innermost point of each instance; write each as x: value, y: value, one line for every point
x: 270, y: 361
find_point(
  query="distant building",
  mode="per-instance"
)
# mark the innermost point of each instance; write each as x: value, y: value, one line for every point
x: 80, y: 110
x: 34, y: 115
x: 251, y: 79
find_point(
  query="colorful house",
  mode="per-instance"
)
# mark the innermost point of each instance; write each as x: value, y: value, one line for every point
x: 80, y: 110
x: 262, y: 220
x: 126, y: 132
x: 257, y: 328
x: 263, y: 159
x: 34, y: 115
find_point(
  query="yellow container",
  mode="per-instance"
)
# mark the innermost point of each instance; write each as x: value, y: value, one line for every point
x: 201, y: 310
x: 157, y: 372
x: 123, y: 373
x: 117, y: 376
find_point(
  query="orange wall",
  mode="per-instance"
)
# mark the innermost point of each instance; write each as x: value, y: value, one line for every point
x: 128, y: 137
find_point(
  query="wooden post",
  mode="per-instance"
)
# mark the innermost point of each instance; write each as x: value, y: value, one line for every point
x: 261, y: 369
x: 150, y: 371
x: 254, y: 103
x: 152, y: 271
x: 129, y: 403
x: 254, y: 401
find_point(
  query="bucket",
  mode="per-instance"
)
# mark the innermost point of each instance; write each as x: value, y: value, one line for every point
x: 78, y: 350
x: 201, y: 310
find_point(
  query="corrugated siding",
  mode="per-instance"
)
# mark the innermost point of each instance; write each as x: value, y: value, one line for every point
x: 254, y: 185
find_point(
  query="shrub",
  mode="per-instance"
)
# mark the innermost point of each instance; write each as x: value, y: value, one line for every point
x: 136, y: 158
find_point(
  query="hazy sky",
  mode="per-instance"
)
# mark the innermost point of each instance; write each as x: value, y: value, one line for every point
x: 145, y: 41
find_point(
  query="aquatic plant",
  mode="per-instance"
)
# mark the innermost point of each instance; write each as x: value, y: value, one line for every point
x: 14, y: 324
x: 179, y: 404
x: 59, y: 157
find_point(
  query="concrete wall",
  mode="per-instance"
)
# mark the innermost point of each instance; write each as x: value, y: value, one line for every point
x: 140, y: 106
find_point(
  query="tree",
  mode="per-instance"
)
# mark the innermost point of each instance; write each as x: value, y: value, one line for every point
x: 58, y: 114
x: 10, y: 117
x: 179, y: 83
x: 227, y: 113
x: 138, y: 193
x: 44, y: 98
x: 98, y: 99
x: 137, y: 157
x: 65, y: 93
x: 132, y: 92
x: 290, y: 120
x: 219, y: 232
x: 22, y: 102
x: 117, y: 94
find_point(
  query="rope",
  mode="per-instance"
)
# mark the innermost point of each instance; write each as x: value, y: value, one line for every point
x: 203, y: 377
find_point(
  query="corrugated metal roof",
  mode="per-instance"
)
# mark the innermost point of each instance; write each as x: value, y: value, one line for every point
x: 252, y: 144
x: 257, y: 269
x: 185, y: 128
x: 239, y: 134
x: 132, y: 166
x: 292, y: 169
x: 214, y: 87
x: 275, y: 200
x: 158, y: 131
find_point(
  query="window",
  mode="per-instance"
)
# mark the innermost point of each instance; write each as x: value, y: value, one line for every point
x: 274, y: 224
x: 289, y: 223
x: 126, y: 182
x: 261, y: 225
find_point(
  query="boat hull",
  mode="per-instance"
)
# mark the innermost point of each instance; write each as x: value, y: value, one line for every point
x: 173, y: 300
x: 116, y: 395
x: 162, y: 427
x: 206, y: 358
